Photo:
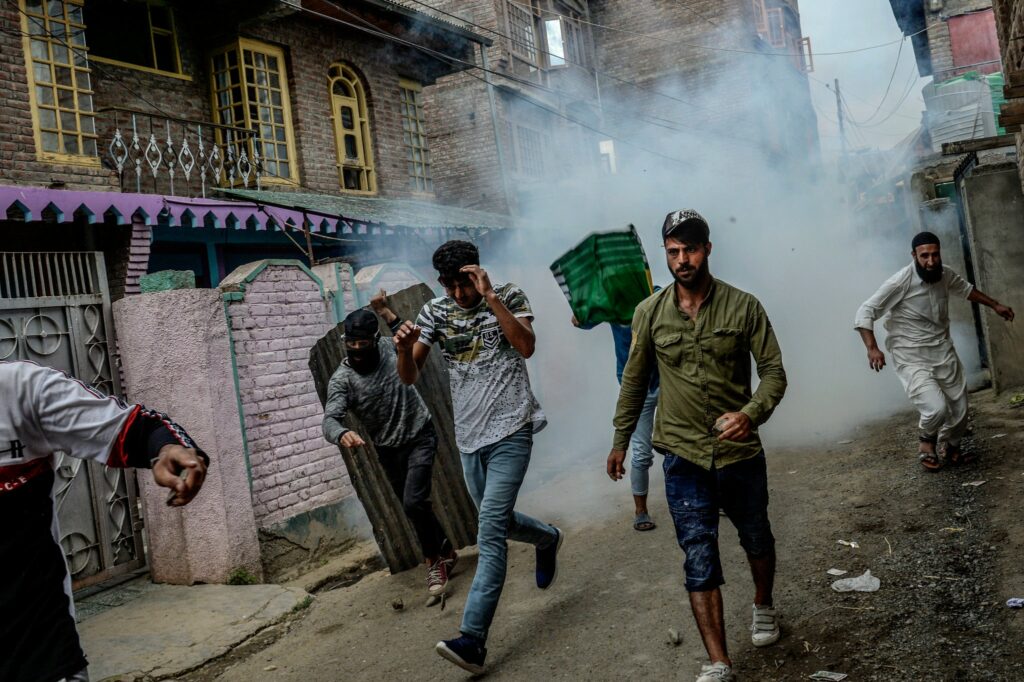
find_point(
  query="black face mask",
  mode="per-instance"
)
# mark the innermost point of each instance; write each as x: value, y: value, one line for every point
x: 364, y: 360
x: 928, y: 276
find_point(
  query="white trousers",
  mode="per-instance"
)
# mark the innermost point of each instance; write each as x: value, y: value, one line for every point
x: 935, y: 383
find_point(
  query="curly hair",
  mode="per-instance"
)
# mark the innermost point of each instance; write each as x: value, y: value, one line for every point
x: 453, y: 255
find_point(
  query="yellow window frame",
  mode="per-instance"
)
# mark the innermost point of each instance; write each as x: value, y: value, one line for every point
x: 239, y: 48
x: 30, y: 27
x: 343, y: 73
x: 414, y: 133
x: 153, y: 31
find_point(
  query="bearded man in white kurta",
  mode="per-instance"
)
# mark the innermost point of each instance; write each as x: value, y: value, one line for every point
x: 917, y: 301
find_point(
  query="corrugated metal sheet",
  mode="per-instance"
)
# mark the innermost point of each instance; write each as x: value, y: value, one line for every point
x: 452, y: 504
x: 959, y: 109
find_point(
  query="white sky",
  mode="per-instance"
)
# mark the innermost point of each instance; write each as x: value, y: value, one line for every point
x: 838, y: 25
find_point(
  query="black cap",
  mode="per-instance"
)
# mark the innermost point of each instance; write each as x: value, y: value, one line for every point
x: 686, y: 225
x: 922, y: 238
x: 361, y: 324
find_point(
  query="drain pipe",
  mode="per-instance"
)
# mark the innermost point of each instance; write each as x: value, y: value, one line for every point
x: 494, y: 124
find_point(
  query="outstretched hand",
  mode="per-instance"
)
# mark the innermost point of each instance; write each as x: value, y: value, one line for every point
x: 180, y: 469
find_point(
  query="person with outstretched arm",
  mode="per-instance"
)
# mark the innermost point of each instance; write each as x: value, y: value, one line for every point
x: 916, y: 300
x: 43, y: 411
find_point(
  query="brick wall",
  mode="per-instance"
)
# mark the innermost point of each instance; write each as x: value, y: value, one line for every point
x: 294, y: 470
x: 938, y: 33
x: 310, y: 45
x: 18, y: 162
x: 731, y: 97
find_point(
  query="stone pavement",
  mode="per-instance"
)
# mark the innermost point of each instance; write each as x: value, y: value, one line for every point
x: 140, y: 630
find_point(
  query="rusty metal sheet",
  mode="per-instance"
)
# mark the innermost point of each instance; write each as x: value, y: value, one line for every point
x: 452, y: 504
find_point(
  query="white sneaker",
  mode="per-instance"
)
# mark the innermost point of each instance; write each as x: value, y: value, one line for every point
x: 716, y: 672
x: 765, y: 629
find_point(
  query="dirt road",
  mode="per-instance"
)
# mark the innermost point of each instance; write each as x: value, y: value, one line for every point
x: 948, y: 555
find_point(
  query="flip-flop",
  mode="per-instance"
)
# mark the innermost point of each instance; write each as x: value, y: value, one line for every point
x: 643, y: 522
x: 930, y: 461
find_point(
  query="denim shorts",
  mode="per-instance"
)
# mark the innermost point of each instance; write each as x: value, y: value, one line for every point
x: 694, y: 497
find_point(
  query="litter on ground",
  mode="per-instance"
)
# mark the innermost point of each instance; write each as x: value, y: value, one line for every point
x: 848, y: 543
x: 830, y: 676
x: 862, y: 583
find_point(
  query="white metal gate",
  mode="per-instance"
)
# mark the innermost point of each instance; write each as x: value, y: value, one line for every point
x: 55, y: 310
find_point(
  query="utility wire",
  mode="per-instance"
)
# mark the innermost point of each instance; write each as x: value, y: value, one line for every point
x: 370, y: 28
x: 888, y: 87
x: 728, y: 49
x: 605, y: 74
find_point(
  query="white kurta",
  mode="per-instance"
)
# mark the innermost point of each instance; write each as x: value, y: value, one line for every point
x: 921, y: 348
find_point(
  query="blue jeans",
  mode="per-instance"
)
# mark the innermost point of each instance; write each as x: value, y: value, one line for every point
x: 694, y: 498
x: 643, y: 454
x: 494, y: 474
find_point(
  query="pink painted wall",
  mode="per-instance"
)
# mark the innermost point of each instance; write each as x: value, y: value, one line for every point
x: 176, y: 358
x: 281, y: 316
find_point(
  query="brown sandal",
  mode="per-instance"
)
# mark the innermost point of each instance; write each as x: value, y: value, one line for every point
x: 958, y: 457
x: 929, y: 460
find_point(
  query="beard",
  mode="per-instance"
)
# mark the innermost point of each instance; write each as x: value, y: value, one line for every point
x: 364, y: 361
x: 695, y: 277
x: 929, y: 275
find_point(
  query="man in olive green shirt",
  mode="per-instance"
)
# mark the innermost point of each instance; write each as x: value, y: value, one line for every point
x: 700, y: 334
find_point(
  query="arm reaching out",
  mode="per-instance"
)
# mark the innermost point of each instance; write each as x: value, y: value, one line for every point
x: 1005, y: 312
x: 88, y: 425
x: 380, y: 306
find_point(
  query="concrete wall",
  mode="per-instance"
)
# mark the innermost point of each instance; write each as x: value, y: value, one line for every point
x: 940, y: 216
x: 176, y: 358
x: 994, y: 208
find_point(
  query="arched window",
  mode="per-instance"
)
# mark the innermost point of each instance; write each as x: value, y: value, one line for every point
x: 351, y: 130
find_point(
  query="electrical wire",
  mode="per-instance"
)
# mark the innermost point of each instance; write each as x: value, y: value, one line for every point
x: 374, y: 31
x: 730, y: 49
x: 597, y: 71
x: 888, y: 87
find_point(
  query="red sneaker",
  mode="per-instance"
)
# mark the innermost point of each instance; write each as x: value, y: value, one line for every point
x: 437, y: 578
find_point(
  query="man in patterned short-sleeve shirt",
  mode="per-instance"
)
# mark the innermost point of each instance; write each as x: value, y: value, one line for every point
x: 485, y: 333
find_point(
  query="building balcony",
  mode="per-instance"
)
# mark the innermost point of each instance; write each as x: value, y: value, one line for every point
x: 158, y: 154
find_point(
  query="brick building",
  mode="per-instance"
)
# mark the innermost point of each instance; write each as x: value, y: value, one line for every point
x: 152, y: 97
x: 580, y: 86
x: 528, y: 118
x: 732, y: 73
x: 1009, y: 16
x: 955, y: 42
x: 142, y: 135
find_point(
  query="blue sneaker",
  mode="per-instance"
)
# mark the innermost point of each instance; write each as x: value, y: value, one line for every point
x: 466, y: 651
x: 547, y: 562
